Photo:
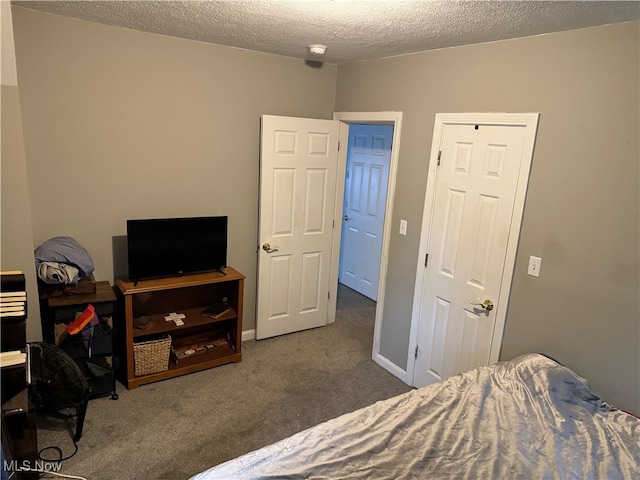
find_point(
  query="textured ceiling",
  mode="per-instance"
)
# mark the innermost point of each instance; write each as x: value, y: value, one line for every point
x: 353, y: 30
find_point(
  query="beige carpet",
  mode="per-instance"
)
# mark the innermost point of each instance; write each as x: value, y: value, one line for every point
x: 178, y: 427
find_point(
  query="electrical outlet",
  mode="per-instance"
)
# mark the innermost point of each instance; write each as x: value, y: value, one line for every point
x: 534, y: 266
x: 403, y: 227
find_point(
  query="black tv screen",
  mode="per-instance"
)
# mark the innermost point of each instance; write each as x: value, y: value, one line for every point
x: 166, y: 247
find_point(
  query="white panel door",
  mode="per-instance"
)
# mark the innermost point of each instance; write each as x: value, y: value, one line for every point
x: 477, y: 179
x: 298, y: 173
x: 368, y: 160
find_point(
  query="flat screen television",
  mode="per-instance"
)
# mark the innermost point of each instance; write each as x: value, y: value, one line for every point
x: 167, y: 247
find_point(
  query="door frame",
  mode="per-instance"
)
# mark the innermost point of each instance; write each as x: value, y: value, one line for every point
x: 389, y: 118
x: 530, y: 122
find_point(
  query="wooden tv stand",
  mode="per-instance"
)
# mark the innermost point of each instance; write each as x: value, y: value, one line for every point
x: 188, y: 295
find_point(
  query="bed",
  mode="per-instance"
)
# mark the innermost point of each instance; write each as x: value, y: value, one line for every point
x: 525, y: 418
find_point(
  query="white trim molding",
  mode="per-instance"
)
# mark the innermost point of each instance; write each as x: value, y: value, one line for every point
x: 248, y: 335
x: 395, y: 119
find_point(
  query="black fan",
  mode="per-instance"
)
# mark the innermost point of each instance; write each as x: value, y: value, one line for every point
x: 58, y: 386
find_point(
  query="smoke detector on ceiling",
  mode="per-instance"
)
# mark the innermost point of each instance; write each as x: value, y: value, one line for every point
x: 317, y: 50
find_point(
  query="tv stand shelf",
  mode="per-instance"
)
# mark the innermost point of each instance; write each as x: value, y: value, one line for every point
x: 188, y: 295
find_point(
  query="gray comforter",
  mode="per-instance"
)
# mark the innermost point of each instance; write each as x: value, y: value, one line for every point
x: 528, y: 418
x: 62, y: 260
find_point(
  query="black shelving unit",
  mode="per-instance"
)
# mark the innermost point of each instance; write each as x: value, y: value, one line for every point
x: 19, y: 430
x: 98, y: 363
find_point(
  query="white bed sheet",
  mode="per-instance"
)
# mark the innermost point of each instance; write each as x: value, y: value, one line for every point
x: 526, y: 418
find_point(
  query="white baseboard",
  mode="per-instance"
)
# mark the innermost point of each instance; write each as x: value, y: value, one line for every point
x: 248, y: 335
x: 391, y: 367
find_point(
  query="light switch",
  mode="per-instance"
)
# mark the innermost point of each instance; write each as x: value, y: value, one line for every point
x: 403, y: 227
x: 534, y: 266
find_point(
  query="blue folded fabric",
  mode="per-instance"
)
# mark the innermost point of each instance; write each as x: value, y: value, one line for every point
x: 65, y: 250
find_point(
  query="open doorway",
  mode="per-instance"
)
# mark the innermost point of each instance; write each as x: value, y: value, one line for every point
x: 394, y: 120
x: 365, y: 201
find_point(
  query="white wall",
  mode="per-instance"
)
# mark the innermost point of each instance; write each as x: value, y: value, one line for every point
x: 16, y: 235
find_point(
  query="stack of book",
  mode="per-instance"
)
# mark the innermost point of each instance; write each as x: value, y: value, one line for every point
x: 13, y: 294
x: 216, y: 311
x: 14, y: 357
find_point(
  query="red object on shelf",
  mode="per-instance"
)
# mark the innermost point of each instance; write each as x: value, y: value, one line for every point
x: 85, y: 317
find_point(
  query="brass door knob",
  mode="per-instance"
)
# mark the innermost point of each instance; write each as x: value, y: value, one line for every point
x: 487, y: 305
x: 267, y: 248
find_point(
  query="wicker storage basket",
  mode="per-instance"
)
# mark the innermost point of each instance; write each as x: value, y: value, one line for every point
x: 151, y: 356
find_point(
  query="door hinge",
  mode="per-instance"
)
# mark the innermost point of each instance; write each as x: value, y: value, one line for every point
x: 415, y: 355
x: 328, y: 295
x: 426, y: 259
x: 338, y: 146
x: 439, y: 155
